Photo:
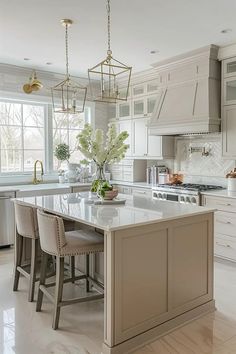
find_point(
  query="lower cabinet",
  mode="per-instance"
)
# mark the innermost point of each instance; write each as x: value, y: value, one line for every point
x: 225, y: 226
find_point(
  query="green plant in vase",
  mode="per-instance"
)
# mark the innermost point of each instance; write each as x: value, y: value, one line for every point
x: 100, y: 150
x: 62, y: 152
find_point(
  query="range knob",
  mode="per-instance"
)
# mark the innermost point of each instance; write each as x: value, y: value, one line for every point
x: 193, y: 200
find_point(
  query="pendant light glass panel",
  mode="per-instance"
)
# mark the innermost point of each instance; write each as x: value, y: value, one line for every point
x: 68, y: 96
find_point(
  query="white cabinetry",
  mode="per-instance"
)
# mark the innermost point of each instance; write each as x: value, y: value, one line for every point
x: 129, y: 170
x: 150, y: 146
x: 229, y: 132
x: 229, y: 108
x: 225, y: 226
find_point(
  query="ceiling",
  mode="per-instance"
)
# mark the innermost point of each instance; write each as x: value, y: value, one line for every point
x: 31, y: 29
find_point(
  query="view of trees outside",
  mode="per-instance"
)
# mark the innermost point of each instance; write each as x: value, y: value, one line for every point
x: 21, y: 136
x: 22, y: 141
x: 66, y: 127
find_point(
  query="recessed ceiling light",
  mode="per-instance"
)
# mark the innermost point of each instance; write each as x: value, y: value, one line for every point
x: 49, y: 63
x: 26, y: 59
x: 154, y: 51
x: 226, y: 30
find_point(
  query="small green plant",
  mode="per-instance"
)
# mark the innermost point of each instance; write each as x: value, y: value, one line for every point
x: 103, y: 187
x: 62, y: 152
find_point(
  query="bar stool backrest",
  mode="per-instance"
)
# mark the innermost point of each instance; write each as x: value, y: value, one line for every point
x: 26, y: 220
x: 51, y: 233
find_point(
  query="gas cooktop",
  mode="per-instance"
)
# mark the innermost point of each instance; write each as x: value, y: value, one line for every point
x: 189, y: 186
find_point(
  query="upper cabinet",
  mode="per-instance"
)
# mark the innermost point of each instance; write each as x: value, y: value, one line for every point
x: 229, y: 90
x: 229, y: 108
x: 229, y: 67
x: 148, y: 146
x: 229, y: 132
x: 124, y: 110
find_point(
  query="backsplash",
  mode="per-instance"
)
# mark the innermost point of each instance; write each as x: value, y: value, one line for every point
x: 196, y: 168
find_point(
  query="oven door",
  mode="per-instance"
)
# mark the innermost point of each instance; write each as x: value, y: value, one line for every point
x: 161, y: 195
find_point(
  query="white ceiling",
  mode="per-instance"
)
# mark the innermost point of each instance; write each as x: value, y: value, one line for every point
x: 31, y: 28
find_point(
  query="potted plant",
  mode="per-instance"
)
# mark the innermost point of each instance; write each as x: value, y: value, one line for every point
x: 62, y: 153
x: 102, y: 151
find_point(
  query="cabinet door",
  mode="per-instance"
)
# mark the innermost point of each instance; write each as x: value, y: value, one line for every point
x: 229, y: 67
x: 152, y: 86
x: 111, y: 111
x: 124, y: 110
x: 154, y: 146
x: 229, y: 132
x: 230, y: 91
x: 127, y: 126
x: 140, y: 137
x: 138, y: 90
x: 150, y: 104
x: 139, y: 107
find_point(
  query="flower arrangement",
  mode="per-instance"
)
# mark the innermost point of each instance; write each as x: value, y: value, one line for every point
x: 102, y: 151
x: 62, y: 152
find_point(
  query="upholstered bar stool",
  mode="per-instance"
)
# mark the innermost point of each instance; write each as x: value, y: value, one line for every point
x: 55, y: 241
x: 26, y: 227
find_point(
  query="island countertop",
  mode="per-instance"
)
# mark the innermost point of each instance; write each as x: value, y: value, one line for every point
x: 136, y: 211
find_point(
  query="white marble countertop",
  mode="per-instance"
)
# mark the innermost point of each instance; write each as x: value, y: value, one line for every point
x: 137, y: 210
x: 41, y: 186
x: 132, y: 184
x: 221, y: 193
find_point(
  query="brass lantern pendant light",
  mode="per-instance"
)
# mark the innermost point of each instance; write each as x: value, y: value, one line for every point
x: 68, y: 96
x: 110, y: 79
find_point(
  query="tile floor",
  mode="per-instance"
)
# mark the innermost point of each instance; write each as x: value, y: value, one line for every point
x: 23, y: 331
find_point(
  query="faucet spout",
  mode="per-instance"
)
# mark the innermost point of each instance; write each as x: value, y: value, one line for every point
x: 35, y: 179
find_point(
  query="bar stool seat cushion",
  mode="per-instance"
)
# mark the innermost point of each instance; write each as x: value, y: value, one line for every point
x: 82, y: 242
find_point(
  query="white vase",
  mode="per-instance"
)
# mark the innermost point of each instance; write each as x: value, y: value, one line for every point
x: 232, y: 184
x: 72, y: 174
x: 61, y: 179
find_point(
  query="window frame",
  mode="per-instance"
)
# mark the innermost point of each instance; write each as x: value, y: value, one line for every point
x: 50, y: 172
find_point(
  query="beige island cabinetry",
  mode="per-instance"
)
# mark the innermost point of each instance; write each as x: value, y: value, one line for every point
x: 174, y: 284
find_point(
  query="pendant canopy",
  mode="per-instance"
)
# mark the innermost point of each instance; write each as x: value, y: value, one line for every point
x: 110, y: 79
x: 68, y: 96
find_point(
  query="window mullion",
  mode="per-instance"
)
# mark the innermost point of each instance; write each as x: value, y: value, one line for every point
x: 22, y: 141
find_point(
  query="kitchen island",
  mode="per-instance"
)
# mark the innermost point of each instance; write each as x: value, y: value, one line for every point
x: 158, y: 263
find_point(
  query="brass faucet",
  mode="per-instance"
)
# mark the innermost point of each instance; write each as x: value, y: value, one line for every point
x: 35, y: 180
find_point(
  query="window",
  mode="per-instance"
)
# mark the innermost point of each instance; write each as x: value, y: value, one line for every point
x: 66, y: 127
x: 30, y: 131
x: 21, y: 136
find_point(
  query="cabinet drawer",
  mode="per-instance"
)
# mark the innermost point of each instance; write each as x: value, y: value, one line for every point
x: 225, y: 223
x: 128, y: 176
x: 225, y: 246
x: 224, y: 204
x: 142, y: 192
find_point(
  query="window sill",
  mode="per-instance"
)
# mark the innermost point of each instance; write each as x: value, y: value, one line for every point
x: 9, y: 179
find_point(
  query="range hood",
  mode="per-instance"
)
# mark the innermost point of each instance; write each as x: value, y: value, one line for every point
x: 188, y: 99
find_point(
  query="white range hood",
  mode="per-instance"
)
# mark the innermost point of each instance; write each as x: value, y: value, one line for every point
x: 188, y: 100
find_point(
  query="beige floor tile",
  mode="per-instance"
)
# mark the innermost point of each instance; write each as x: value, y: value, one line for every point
x: 23, y: 331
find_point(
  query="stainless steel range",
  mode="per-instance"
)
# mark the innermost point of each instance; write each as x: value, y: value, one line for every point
x: 186, y: 193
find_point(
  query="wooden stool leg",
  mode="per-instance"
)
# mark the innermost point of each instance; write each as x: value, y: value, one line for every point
x: 58, y: 291
x: 34, y: 249
x: 72, y: 268
x: 18, y: 258
x: 42, y: 279
x: 87, y: 271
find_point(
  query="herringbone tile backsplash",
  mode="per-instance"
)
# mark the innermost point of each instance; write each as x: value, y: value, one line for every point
x: 198, y: 168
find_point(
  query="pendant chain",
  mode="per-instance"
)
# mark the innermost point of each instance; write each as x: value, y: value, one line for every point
x: 109, y: 25
x: 67, y: 60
